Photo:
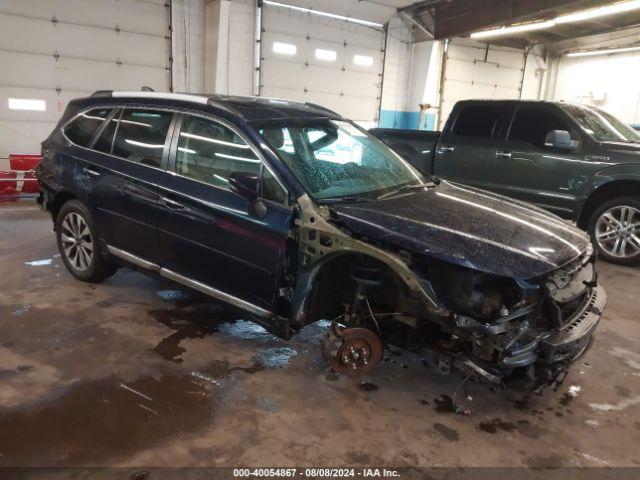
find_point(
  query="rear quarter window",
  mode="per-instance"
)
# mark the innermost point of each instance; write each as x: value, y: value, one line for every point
x: 80, y: 130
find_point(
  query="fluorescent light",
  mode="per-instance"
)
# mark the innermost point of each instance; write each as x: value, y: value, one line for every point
x: 27, y: 104
x: 284, y: 48
x: 363, y: 60
x: 524, y: 27
x: 328, y: 55
x: 620, y: 7
x: 606, y: 51
x: 324, y: 14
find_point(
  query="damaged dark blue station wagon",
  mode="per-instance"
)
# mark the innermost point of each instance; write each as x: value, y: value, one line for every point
x: 291, y: 214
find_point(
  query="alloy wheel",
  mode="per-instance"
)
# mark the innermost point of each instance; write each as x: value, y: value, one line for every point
x: 617, y: 231
x: 76, y: 241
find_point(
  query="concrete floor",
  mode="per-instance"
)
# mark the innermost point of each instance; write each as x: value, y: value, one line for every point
x: 129, y: 372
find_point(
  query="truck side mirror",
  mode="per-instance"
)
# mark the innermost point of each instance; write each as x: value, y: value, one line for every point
x: 560, y: 139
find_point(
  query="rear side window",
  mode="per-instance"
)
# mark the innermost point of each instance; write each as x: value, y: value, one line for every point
x: 210, y: 152
x: 533, y: 122
x: 104, y: 142
x: 480, y: 121
x: 81, y: 130
x: 141, y: 135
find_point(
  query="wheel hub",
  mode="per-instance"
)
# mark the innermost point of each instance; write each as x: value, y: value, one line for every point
x: 617, y: 231
x: 352, y: 351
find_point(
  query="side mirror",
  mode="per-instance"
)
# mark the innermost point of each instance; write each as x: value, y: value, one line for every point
x: 248, y: 185
x: 245, y: 184
x: 560, y: 139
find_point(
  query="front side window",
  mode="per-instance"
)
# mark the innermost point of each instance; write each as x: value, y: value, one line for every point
x: 335, y: 159
x: 210, y: 152
x: 81, y: 130
x: 141, y: 135
x: 600, y: 125
x: 480, y: 121
x: 532, y: 124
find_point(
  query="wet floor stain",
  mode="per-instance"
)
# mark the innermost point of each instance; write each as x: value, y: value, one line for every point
x: 495, y: 425
x: 194, y: 321
x: 447, y: 433
x: 95, y: 420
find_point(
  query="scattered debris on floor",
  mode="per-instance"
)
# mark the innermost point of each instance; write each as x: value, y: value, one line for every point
x: 171, y: 294
x: 276, y: 357
x: 368, y: 386
x: 21, y: 310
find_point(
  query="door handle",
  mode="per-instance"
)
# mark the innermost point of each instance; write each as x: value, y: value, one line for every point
x: 446, y: 149
x: 502, y: 154
x: 171, y: 204
x: 91, y: 173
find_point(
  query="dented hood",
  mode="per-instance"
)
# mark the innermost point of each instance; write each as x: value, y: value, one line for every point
x: 469, y: 227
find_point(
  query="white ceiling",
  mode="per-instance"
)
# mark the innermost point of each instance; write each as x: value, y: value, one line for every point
x: 379, y: 11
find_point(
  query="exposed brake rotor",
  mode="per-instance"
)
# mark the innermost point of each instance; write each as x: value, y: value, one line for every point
x: 351, y: 351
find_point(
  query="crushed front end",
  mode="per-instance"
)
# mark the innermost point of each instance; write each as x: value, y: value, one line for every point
x: 505, y: 329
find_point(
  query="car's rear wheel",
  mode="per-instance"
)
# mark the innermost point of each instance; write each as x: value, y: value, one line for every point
x: 615, y: 230
x: 78, y: 243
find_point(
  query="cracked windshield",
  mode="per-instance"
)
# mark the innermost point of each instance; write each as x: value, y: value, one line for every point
x: 336, y: 161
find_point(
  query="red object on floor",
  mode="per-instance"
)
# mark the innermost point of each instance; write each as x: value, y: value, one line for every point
x: 23, y: 162
x: 20, y: 179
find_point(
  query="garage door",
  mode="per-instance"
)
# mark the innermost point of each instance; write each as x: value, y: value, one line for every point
x: 55, y: 50
x: 473, y: 70
x: 331, y: 62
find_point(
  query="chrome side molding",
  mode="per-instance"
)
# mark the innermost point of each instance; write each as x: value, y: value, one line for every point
x: 129, y: 257
x: 190, y: 282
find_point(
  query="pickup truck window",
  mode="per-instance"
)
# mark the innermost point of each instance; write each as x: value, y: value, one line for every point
x: 600, y: 125
x: 533, y: 122
x: 334, y: 159
x: 81, y: 130
x: 480, y: 121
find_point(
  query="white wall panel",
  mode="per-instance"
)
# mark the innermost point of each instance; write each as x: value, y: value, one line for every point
x: 56, y: 50
x: 474, y: 72
x: 608, y: 81
x: 349, y: 89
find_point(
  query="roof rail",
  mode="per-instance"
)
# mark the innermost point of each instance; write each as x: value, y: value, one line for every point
x: 102, y: 93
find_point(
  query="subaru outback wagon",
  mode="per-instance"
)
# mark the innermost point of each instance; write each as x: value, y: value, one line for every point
x: 291, y: 214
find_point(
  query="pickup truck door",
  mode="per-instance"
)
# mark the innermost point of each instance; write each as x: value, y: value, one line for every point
x: 463, y: 150
x: 524, y: 168
x: 207, y: 233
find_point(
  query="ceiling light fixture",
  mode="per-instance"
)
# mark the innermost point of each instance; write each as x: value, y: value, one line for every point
x: 605, y: 51
x: 524, y: 27
x: 324, y: 14
x: 620, y: 7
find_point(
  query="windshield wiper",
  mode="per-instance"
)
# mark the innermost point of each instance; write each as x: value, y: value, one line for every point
x: 345, y: 199
x: 405, y: 188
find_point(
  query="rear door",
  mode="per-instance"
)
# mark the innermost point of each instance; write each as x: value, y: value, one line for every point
x: 206, y: 231
x: 464, y: 148
x: 129, y: 158
x: 524, y: 168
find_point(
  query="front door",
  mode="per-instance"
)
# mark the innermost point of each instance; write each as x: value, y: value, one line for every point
x: 524, y: 168
x: 129, y: 155
x: 206, y: 231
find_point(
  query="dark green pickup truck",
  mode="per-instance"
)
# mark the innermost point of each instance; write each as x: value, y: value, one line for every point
x: 577, y: 161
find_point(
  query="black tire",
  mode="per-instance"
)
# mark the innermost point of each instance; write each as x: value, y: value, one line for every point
x: 594, y: 227
x: 77, y: 239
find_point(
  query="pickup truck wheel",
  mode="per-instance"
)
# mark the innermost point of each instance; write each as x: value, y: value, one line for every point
x: 78, y: 244
x: 615, y: 230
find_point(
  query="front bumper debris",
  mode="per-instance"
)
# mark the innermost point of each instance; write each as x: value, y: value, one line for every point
x: 574, y: 337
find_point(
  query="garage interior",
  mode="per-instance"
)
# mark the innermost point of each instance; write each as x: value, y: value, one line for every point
x: 139, y: 372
